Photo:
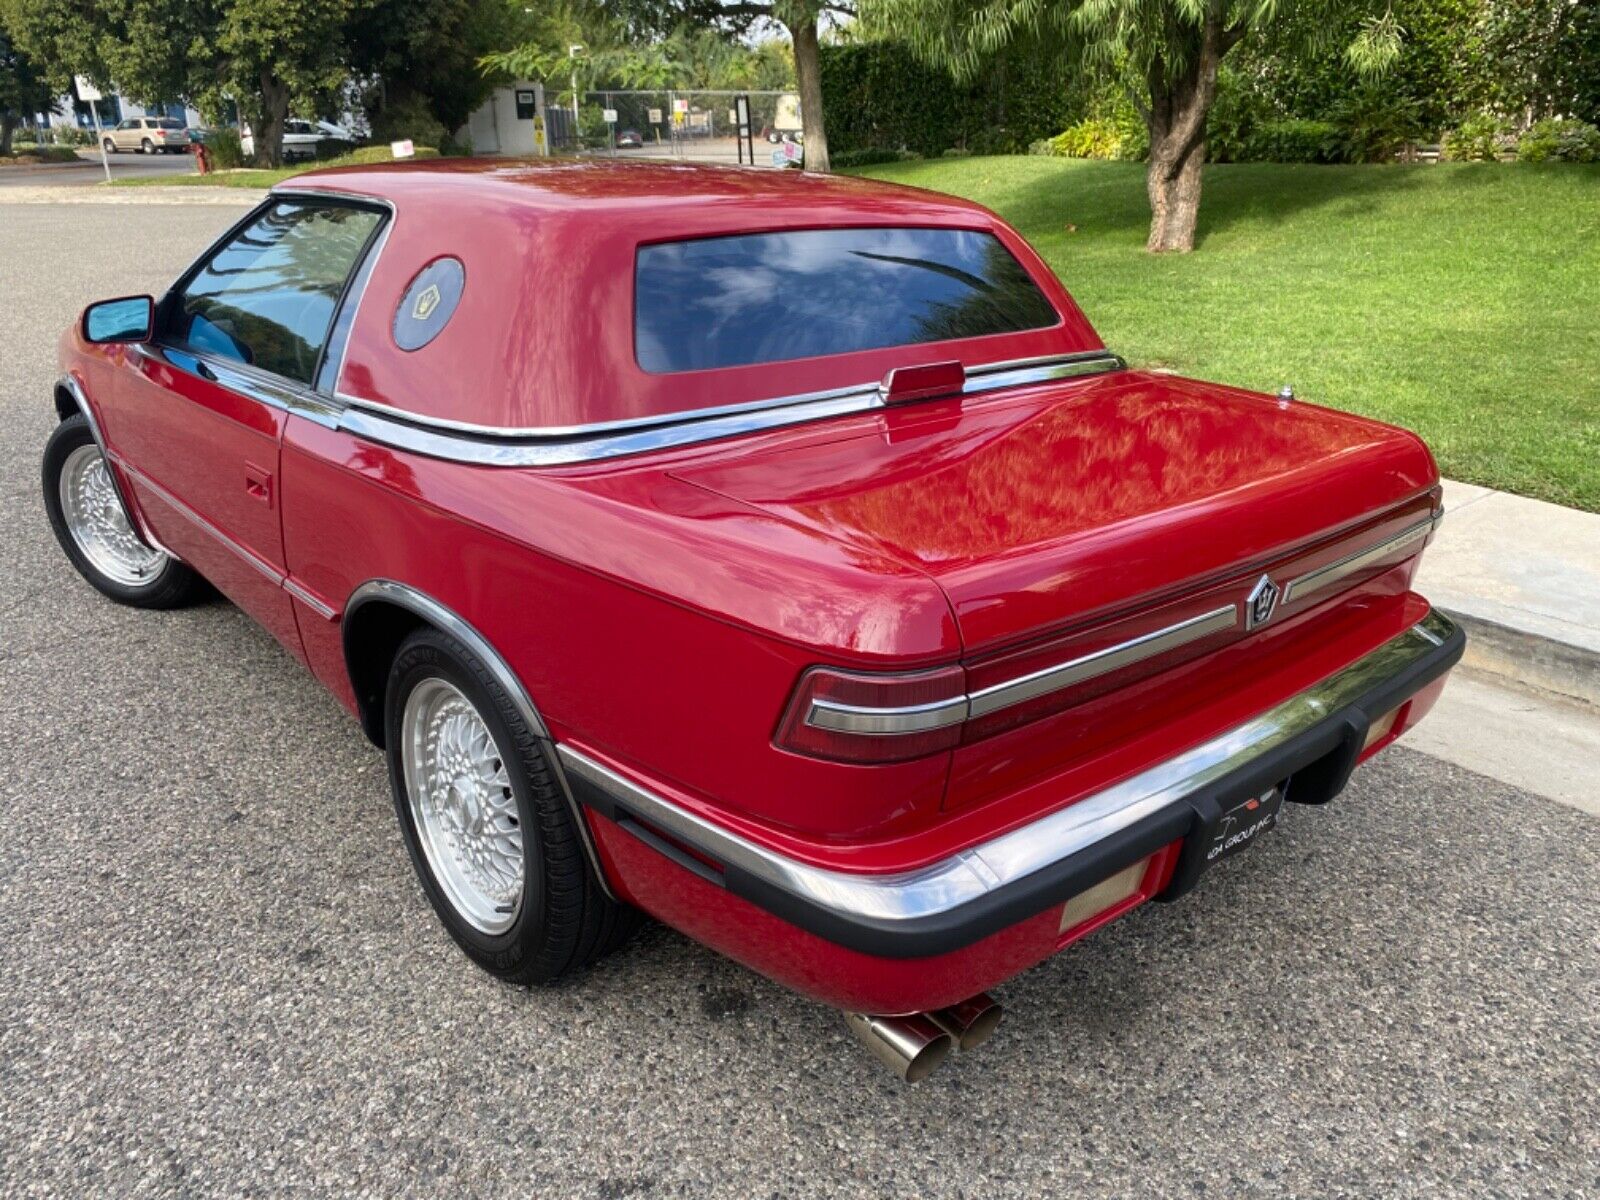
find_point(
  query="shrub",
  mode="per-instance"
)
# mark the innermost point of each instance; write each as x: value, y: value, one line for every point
x: 410, y: 117
x: 222, y: 147
x: 1482, y: 137
x: 866, y: 158
x: 957, y: 152
x: 380, y: 154
x: 1118, y: 136
x: 1294, y: 140
x: 1372, y: 124
x: 1556, y: 139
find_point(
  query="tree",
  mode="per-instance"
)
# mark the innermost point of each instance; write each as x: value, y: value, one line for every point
x: 1167, y: 53
x: 263, y: 54
x: 24, y: 89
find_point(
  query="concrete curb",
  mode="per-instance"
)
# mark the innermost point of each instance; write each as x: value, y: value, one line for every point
x: 240, y: 197
x: 1523, y: 578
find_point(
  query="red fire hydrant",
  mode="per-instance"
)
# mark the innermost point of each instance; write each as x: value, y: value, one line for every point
x: 202, y: 160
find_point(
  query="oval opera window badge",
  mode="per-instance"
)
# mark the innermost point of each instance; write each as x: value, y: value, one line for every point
x: 430, y: 298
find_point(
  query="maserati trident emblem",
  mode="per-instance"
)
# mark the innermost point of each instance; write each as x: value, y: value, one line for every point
x: 1258, y: 605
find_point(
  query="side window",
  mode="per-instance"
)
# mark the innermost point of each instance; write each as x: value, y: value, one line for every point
x: 268, y: 296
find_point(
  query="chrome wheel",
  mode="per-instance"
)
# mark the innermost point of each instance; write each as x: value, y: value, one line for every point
x: 462, y: 805
x: 99, y: 526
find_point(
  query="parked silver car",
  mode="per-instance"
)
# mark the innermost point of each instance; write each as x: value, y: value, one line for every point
x: 148, y: 135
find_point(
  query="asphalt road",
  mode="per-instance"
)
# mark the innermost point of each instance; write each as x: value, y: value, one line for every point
x: 217, y: 974
x: 88, y: 171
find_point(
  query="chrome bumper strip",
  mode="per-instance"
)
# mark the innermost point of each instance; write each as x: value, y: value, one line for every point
x: 902, y: 898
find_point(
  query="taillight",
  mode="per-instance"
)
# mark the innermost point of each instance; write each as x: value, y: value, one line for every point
x: 863, y: 718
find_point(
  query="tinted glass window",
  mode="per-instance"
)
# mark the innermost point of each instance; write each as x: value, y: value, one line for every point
x: 169, y: 123
x: 733, y: 301
x: 268, y: 296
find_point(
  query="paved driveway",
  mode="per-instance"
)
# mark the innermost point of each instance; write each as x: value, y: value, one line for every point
x: 88, y: 171
x: 217, y: 973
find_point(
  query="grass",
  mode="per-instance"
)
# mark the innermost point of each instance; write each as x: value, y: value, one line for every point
x: 1459, y: 300
x: 29, y: 155
x: 251, y: 177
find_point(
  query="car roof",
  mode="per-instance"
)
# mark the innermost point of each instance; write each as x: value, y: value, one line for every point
x: 543, y: 336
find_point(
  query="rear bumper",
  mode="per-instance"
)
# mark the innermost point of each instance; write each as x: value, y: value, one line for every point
x: 1314, y: 739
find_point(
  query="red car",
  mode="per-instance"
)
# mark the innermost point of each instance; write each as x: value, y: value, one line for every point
x: 783, y: 556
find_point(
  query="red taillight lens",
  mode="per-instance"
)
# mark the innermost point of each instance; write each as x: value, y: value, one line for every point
x: 862, y: 718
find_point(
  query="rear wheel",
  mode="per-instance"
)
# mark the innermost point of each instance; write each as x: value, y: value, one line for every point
x: 490, y: 833
x: 87, y: 516
x: 108, y: 146
x: 147, y: 146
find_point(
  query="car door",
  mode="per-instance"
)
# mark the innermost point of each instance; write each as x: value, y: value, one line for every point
x: 199, y: 414
x: 121, y: 135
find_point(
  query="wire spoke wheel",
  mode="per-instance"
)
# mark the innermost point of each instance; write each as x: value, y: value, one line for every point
x: 99, y: 526
x: 459, y: 791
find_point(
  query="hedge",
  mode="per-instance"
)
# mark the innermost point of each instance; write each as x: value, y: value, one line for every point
x: 880, y: 96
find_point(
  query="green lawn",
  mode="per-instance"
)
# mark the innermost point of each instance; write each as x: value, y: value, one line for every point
x: 250, y: 177
x: 1462, y: 301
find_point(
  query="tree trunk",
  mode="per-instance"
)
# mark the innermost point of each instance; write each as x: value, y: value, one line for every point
x: 8, y: 123
x: 268, y: 129
x: 1180, y: 102
x: 808, y: 71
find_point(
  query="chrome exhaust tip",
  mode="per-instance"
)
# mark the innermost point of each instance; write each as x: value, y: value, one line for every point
x: 970, y: 1023
x: 911, y: 1046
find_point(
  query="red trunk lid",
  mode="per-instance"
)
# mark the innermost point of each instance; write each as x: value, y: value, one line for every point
x: 1067, y: 503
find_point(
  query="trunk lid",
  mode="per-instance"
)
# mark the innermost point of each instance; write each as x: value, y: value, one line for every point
x: 1075, y: 502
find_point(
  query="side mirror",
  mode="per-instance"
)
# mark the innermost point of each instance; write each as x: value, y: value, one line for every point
x: 128, y: 319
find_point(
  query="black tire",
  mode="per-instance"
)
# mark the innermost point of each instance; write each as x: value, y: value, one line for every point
x: 147, y: 147
x: 172, y: 585
x: 565, y: 920
x: 108, y: 146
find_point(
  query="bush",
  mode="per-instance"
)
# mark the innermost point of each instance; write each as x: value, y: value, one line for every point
x: 1482, y: 137
x: 1294, y: 140
x: 1373, y: 124
x: 410, y: 117
x: 380, y: 154
x: 957, y: 152
x: 222, y: 147
x: 866, y: 158
x: 1116, y: 134
x: 1557, y: 139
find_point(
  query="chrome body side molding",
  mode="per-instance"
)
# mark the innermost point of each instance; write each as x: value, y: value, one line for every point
x: 899, y: 900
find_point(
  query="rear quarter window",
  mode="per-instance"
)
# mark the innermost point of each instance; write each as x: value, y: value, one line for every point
x: 771, y: 297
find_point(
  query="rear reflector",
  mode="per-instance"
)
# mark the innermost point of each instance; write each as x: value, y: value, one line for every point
x: 1106, y: 894
x: 1380, y: 729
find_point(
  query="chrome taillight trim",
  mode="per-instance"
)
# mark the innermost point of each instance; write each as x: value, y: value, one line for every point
x: 1326, y: 577
x: 900, y: 898
x: 866, y: 719
x: 920, y: 718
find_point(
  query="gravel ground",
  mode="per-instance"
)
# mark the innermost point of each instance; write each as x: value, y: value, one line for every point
x: 217, y: 974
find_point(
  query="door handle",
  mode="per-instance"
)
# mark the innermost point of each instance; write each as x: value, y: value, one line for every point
x: 258, y: 484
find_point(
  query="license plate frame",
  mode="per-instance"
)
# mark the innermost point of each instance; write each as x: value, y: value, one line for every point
x: 1241, y: 824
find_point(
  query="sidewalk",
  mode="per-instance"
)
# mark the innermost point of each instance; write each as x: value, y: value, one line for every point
x: 1523, y: 577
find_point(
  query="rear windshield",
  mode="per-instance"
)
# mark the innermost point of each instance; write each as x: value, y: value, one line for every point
x: 169, y: 123
x: 769, y: 297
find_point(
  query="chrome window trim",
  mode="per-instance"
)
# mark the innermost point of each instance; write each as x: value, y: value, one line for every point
x: 907, y: 896
x: 576, y: 444
x: 1325, y: 577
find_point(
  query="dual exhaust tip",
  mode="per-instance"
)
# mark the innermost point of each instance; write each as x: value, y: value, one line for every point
x: 912, y: 1046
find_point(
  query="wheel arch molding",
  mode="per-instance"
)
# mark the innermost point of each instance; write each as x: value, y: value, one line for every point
x: 379, y: 615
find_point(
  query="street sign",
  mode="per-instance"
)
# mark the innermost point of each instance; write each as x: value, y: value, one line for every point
x: 655, y: 116
x: 680, y: 106
x: 87, y: 91
x: 402, y: 149
x: 90, y: 95
x: 611, y: 116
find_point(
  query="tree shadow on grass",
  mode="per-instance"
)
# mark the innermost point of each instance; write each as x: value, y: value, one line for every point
x: 1108, y: 201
